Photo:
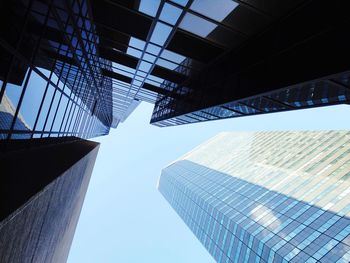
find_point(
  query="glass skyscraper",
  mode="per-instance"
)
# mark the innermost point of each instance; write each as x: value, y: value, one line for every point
x: 78, y: 67
x: 73, y: 69
x: 266, y: 196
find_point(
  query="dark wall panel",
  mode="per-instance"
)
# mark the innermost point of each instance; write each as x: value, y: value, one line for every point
x: 41, y: 229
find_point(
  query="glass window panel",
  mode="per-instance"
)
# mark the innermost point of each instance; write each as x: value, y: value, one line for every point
x: 197, y: 25
x: 82, y: 122
x: 180, y: 2
x: 216, y: 10
x: 145, y: 66
x: 153, y: 83
x: 134, y: 42
x: 166, y: 64
x: 134, y: 52
x: 66, y: 117
x: 154, y: 78
x: 130, y: 75
x: 153, y: 49
x: 52, y: 111
x: 160, y: 33
x: 54, y: 78
x: 45, y: 108
x: 36, y: 135
x: 13, y: 92
x: 9, y: 104
x: 44, y: 71
x: 60, y: 113
x: 31, y: 102
x: 149, y: 58
x: 60, y: 84
x: 172, y: 56
x: 149, y: 7
x: 141, y: 74
x: 170, y: 13
x: 54, y: 135
x: 73, y: 118
x: 136, y: 83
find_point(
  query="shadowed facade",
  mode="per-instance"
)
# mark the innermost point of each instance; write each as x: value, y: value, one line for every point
x: 41, y: 204
x: 77, y: 68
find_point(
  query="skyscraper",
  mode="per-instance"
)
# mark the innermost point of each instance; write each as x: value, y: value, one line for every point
x: 78, y: 67
x: 73, y: 69
x: 266, y: 196
x: 42, y: 189
x: 51, y: 86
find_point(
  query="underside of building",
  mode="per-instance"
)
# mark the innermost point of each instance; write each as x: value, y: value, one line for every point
x: 72, y: 69
x: 90, y: 63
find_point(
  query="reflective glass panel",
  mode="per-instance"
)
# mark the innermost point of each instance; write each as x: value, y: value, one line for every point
x: 134, y: 42
x: 149, y: 7
x: 45, y: 108
x: 166, y: 64
x: 60, y: 113
x: 216, y: 10
x: 153, y: 49
x: 180, y: 2
x: 160, y: 33
x: 197, y: 25
x: 31, y: 101
x: 169, y: 55
x: 170, y: 13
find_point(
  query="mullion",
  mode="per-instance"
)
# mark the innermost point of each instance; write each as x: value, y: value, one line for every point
x: 172, y: 32
x: 72, y: 18
x: 59, y: 101
x: 70, y: 100
x: 56, y: 85
x: 48, y: 82
x: 35, y: 53
x: 26, y: 19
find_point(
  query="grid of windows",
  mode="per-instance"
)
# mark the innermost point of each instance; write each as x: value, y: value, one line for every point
x: 149, y: 63
x: 315, y: 94
x: 64, y: 60
x: 50, y: 78
x: 267, y: 196
x: 233, y: 85
x: 145, y: 60
x: 79, y: 67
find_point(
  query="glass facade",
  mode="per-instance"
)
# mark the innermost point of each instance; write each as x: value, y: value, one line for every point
x: 314, y: 94
x: 266, y: 196
x: 79, y: 67
x: 71, y: 69
x: 232, y: 72
x: 50, y: 78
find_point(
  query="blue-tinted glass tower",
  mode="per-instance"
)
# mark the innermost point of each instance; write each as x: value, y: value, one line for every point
x: 72, y: 69
x: 267, y: 196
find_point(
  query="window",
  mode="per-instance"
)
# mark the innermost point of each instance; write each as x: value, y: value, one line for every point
x: 216, y: 10
x: 197, y: 25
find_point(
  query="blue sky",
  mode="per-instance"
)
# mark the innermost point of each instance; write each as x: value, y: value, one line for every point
x: 126, y: 219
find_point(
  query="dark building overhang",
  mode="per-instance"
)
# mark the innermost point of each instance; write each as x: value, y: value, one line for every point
x: 118, y: 17
x: 200, y: 59
x: 293, y: 51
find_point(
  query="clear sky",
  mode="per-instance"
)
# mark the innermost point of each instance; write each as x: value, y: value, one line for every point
x: 126, y: 219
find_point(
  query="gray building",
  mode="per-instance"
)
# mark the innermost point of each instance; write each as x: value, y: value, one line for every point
x: 40, y: 204
x: 266, y: 196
